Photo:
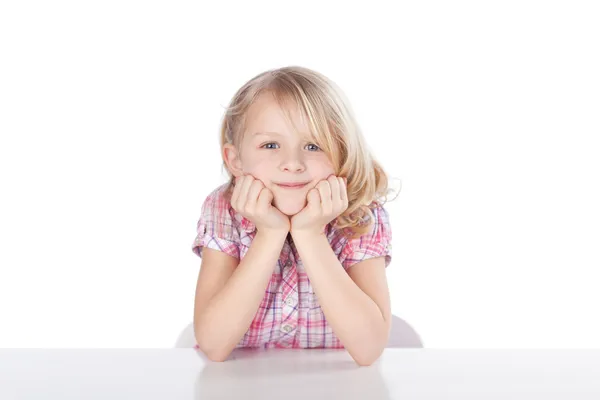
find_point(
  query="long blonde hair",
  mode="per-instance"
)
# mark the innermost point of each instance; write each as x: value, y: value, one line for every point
x: 333, y: 127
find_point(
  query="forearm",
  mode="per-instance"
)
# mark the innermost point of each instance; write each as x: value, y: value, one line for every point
x: 354, y: 317
x: 230, y: 312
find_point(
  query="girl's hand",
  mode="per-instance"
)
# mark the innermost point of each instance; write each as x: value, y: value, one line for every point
x: 253, y: 200
x: 326, y: 202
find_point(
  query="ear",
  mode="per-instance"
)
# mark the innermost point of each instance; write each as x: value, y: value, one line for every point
x: 232, y: 159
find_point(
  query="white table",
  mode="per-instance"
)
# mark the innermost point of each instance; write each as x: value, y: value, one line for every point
x: 298, y: 374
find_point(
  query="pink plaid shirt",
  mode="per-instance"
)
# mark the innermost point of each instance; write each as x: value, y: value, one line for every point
x: 289, y: 315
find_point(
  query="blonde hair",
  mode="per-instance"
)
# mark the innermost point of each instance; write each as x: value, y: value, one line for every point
x: 333, y: 128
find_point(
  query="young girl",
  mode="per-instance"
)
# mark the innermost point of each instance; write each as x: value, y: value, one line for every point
x: 294, y: 247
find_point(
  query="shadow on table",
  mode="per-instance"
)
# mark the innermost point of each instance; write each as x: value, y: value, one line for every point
x: 313, y: 374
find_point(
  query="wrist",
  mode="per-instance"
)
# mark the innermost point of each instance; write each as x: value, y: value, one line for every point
x: 273, y: 234
x: 302, y: 234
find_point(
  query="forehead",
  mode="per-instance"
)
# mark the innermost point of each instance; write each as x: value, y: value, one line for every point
x: 267, y: 117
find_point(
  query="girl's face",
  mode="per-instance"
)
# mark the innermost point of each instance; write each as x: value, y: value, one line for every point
x: 274, y: 153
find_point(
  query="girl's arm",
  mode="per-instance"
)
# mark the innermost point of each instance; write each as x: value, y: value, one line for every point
x: 228, y: 296
x: 356, y: 303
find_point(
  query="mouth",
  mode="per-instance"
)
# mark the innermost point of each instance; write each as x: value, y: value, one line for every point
x: 290, y: 185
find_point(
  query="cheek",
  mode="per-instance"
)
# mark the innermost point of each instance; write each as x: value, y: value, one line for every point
x: 259, y: 168
x: 321, y: 169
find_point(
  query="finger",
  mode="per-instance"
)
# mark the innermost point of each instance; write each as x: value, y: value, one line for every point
x: 253, y: 193
x: 236, y: 193
x: 314, y: 198
x: 343, y: 192
x: 243, y: 199
x: 334, y: 184
x: 325, y: 192
x: 336, y: 196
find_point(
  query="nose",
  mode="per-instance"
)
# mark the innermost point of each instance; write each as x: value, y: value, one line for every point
x: 292, y: 162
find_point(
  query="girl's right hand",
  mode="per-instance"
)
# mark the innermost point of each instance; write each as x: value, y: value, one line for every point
x: 253, y: 200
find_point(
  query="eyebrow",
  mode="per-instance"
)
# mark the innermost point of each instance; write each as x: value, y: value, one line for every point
x: 306, y: 137
x: 266, y: 133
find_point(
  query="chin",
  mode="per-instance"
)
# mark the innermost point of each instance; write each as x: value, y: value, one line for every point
x: 289, y: 208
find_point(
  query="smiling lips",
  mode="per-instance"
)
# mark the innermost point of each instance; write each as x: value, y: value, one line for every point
x: 292, y: 185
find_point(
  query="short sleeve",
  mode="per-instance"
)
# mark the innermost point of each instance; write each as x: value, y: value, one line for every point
x: 215, y: 228
x: 375, y: 243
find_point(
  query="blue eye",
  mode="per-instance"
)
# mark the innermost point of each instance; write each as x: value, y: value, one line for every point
x: 270, y: 145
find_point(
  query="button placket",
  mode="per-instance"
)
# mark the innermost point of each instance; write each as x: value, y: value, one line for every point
x: 289, y: 288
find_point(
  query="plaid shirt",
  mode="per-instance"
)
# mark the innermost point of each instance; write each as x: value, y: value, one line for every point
x: 289, y: 315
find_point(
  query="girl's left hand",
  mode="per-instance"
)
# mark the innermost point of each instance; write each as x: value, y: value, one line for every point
x: 325, y: 202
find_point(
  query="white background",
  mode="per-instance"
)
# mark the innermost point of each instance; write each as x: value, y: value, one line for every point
x: 487, y: 111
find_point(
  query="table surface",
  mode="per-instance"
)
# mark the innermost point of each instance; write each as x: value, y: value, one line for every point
x: 298, y: 374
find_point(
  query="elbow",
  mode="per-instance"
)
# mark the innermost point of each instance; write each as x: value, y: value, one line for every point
x: 212, y: 351
x: 216, y: 355
x: 366, y: 352
x: 366, y: 358
x: 369, y: 349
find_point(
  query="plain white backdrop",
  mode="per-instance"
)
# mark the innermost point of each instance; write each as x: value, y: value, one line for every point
x: 489, y: 113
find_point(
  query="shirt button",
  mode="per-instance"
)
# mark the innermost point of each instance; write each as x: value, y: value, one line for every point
x: 290, y: 301
x: 286, y: 328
